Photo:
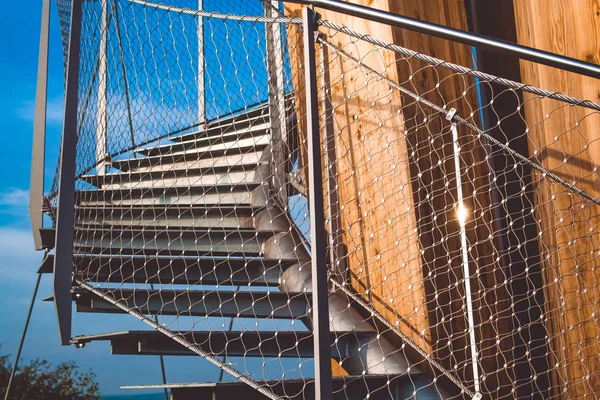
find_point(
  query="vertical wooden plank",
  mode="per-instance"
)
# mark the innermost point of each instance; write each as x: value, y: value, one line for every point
x: 375, y: 194
x: 515, y: 226
x: 396, y: 187
x: 565, y: 142
x: 432, y: 172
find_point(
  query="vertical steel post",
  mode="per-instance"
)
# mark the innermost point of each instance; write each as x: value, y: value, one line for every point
x: 337, y: 254
x: 38, y: 153
x: 320, y: 304
x: 462, y: 214
x: 63, y: 249
x: 277, y: 115
x: 201, y: 66
x: 101, y: 112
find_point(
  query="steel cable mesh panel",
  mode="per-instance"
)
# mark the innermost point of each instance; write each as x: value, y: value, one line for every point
x: 462, y: 245
x: 471, y: 237
x: 184, y: 217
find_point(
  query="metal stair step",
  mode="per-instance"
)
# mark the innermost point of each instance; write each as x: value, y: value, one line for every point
x: 184, y: 198
x: 244, y: 161
x: 169, y: 241
x: 232, y: 271
x: 214, y: 303
x: 210, y: 157
x: 107, y: 240
x: 190, y: 180
x: 373, y: 387
x: 258, y: 141
x: 171, y: 173
x: 239, y: 120
x: 254, y: 116
x: 211, y: 137
x: 48, y: 237
x: 209, y: 194
x: 270, y: 344
x: 168, y: 215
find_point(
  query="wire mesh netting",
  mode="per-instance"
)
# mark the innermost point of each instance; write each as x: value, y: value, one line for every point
x: 461, y: 208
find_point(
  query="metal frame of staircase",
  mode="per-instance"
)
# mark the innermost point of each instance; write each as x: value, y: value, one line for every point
x: 224, y: 223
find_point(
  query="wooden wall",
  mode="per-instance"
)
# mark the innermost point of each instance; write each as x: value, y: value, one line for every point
x: 398, y: 192
x: 562, y: 140
x: 438, y: 225
x: 375, y: 192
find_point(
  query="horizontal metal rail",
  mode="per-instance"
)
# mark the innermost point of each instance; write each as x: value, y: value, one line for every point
x: 471, y: 39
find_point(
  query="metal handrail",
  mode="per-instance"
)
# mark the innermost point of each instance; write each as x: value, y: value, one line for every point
x: 471, y: 39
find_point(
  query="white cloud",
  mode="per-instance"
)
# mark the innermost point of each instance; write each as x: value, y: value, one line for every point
x: 18, y: 259
x: 54, y: 110
x: 14, y: 197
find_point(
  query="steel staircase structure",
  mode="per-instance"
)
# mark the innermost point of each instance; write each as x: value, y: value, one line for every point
x: 200, y: 227
x: 197, y: 212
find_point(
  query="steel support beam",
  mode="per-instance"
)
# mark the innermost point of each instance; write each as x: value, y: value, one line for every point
x: 36, y: 181
x: 263, y: 344
x: 63, y: 253
x: 318, y: 236
x: 102, y: 110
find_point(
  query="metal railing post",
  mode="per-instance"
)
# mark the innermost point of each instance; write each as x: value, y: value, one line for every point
x: 201, y: 93
x: 318, y: 238
x: 63, y: 249
x: 277, y: 116
x: 101, y: 112
x: 38, y: 153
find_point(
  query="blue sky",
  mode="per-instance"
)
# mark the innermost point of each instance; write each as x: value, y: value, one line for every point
x: 19, y: 26
x: 19, y: 33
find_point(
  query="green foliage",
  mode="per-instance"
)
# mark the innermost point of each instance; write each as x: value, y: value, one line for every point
x: 40, y: 380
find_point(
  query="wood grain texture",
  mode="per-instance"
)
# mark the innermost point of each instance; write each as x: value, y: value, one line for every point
x: 566, y: 140
x: 435, y: 196
x: 373, y: 176
x: 398, y: 192
x: 515, y: 226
